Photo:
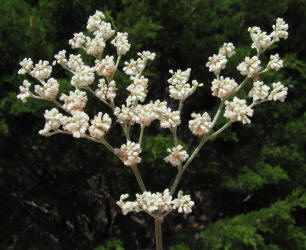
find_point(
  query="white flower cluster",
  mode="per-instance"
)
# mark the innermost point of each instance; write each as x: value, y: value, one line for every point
x: 261, y: 41
x: 42, y: 70
x: 216, y: 63
x: 223, y: 87
x: 201, y: 124
x: 145, y: 114
x: 106, y: 91
x: 279, y: 30
x: 228, y: 50
x: 176, y: 156
x: 102, y: 32
x: 75, y: 62
x: 170, y: 119
x: 183, y: 203
x: 83, y: 77
x: 260, y: 91
x: 250, y: 66
x: 75, y: 101
x: 54, y: 120
x: 24, y: 91
x: 179, y: 89
x: 121, y: 43
x: 125, y: 114
x: 48, y: 90
x: 237, y: 110
x: 156, y: 202
x: 129, y: 153
x: 77, y: 41
x: 135, y: 67
x: 26, y: 66
x: 77, y: 124
x: 275, y: 63
x: 278, y: 93
x: 100, y: 125
x: 106, y: 67
x: 138, y: 89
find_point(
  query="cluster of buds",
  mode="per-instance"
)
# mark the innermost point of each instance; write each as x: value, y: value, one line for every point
x: 156, y: 203
x: 135, y: 110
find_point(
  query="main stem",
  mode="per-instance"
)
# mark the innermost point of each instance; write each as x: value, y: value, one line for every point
x: 138, y: 178
x: 158, y: 233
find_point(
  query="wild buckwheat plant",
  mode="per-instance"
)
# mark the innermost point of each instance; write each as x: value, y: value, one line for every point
x: 98, y: 80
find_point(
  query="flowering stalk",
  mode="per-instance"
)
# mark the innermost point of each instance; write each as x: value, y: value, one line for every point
x: 135, y: 111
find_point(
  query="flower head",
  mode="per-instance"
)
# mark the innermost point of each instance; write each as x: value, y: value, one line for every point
x: 177, y: 156
x: 237, y: 110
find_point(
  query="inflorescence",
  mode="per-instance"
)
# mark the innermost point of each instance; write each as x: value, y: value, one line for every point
x: 75, y: 120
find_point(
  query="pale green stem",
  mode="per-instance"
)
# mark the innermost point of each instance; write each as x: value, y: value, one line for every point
x: 217, y: 115
x: 102, y: 141
x: 174, y: 136
x: 158, y: 233
x: 225, y: 126
x: 53, y: 101
x: 174, y: 130
x: 138, y: 178
x: 141, y: 134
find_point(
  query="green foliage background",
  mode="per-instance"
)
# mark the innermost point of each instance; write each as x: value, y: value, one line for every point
x: 248, y: 184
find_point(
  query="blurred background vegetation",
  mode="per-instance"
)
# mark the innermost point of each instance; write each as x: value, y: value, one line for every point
x: 248, y: 184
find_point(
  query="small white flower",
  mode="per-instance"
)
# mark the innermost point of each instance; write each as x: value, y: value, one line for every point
x: 237, y: 110
x: 145, y: 114
x: 138, y: 89
x: 278, y: 93
x: 177, y: 156
x: 201, y: 124
x: 170, y: 119
x: 106, y: 91
x: 275, y: 63
x: 121, y: 43
x: 125, y: 114
x: 260, y: 91
x: 77, y: 124
x: 261, y: 41
x: 250, y: 66
x: 133, y: 67
x: 75, y: 62
x: 228, y: 50
x: 24, y: 91
x: 216, y: 63
x: 279, y: 30
x: 60, y: 58
x: 104, y: 31
x: 129, y: 154
x: 26, y: 66
x: 83, y: 77
x: 183, y: 203
x: 48, y: 90
x: 78, y: 41
x: 106, y: 67
x: 75, y: 101
x: 223, y: 87
x: 147, y: 55
x: 42, y: 70
x: 94, y: 21
x: 100, y: 125
x: 95, y: 46
x: 54, y: 120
